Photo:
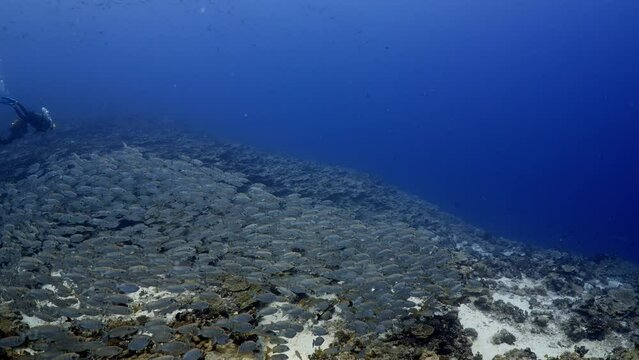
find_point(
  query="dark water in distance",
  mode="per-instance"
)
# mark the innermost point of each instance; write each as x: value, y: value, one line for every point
x: 518, y: 116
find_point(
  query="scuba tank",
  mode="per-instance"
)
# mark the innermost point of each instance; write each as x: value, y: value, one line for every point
x: 4, y: 91
x: 47, y: 115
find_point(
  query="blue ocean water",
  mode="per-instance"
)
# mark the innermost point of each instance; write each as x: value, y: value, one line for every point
x: 521, y: 117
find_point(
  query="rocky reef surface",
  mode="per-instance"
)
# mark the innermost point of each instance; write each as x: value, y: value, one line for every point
x: 147, y: 242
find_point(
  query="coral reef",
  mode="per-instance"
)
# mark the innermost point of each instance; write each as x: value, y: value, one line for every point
x: 149, y: 242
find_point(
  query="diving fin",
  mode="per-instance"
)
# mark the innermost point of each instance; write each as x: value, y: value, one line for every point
x: 7, y: 100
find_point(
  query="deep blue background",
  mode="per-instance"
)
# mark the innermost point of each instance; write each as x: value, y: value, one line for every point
x: 518, y: 116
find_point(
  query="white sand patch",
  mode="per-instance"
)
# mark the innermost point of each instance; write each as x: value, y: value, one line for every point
x: 168, y: 318
x: 506, y: 294
x: 417, y: 301
x: 517, y: 300
x: 486, y: 327
x: 329, y: 297
x: 479, y: 250
x: 44, y: 303
x: 25, y: 352
x: 552, y: 343
x: 513, y: 252
x: 605, y: 285
x: 69, y: 285
x: 523, y: 283
x: 53, y: 289
x: 302, y: 343
x: 32, y: 321
x: 612, y: 284
x: 142, y: 296
x: 148, y: 294
x: 50, y: 287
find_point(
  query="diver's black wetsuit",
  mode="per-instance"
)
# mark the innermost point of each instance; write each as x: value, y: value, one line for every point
x: 19, y: 127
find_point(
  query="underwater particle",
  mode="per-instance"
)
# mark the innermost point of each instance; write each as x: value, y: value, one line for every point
x: 193, y: 354
x: 139, y: 343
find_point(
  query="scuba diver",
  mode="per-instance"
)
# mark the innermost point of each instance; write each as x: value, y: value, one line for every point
x: 40, y: 122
